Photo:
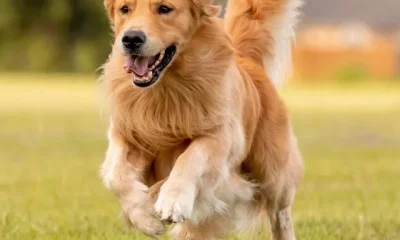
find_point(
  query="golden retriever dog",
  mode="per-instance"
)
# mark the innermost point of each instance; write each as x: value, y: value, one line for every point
x: 199, y: 136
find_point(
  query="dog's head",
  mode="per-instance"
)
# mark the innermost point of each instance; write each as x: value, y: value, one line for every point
x: 150, y: 33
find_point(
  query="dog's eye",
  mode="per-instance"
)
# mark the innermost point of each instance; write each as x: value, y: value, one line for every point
x: 163, y: 9
x: 124, y: 9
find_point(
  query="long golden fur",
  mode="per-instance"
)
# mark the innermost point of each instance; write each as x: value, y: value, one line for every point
x: 209, y: 146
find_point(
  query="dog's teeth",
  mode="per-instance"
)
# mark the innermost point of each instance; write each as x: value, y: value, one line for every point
x: 161, y: 55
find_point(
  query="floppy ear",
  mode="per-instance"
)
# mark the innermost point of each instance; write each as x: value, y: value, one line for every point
x: 109, y: 5
x: 207, y: 8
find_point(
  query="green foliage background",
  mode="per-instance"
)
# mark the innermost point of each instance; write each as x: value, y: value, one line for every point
x: 53, y: 35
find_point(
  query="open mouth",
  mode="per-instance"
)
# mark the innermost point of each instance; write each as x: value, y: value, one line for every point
x: 147, y: 69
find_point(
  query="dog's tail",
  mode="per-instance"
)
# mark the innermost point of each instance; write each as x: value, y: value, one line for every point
x: 263, y: 30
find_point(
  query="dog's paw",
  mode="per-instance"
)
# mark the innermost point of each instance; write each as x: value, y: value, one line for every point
x: 175, y: 201
x: 144, y: 219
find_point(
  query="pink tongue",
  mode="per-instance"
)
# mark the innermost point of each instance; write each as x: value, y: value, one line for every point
x: 140, y: 65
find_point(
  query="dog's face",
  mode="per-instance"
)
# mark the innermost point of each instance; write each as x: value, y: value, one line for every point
x: 149, y: 33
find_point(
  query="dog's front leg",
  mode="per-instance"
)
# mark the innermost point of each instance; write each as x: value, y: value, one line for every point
x: 122, y: 173
x: 204, y: 162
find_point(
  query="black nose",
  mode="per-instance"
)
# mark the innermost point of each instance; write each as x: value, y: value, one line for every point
x: 133, y: 40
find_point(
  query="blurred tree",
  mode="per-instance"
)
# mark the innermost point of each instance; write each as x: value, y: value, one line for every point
x: 53, y: 35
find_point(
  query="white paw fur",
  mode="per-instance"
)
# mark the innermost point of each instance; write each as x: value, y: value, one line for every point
x: 176, y: 201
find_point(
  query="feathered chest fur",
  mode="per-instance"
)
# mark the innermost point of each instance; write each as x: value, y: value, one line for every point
x: 164, y: 116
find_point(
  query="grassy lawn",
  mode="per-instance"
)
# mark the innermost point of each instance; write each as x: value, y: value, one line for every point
x: 52, y: 142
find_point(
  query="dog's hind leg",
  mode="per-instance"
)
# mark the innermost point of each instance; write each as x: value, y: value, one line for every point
x: 282, y: 194
x: 279, y: 213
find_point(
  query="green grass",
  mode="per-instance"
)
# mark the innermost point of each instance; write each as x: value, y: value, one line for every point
x: 52, y: 142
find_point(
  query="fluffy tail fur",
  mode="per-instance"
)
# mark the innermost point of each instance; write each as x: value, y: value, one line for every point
x: 263, y: 30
